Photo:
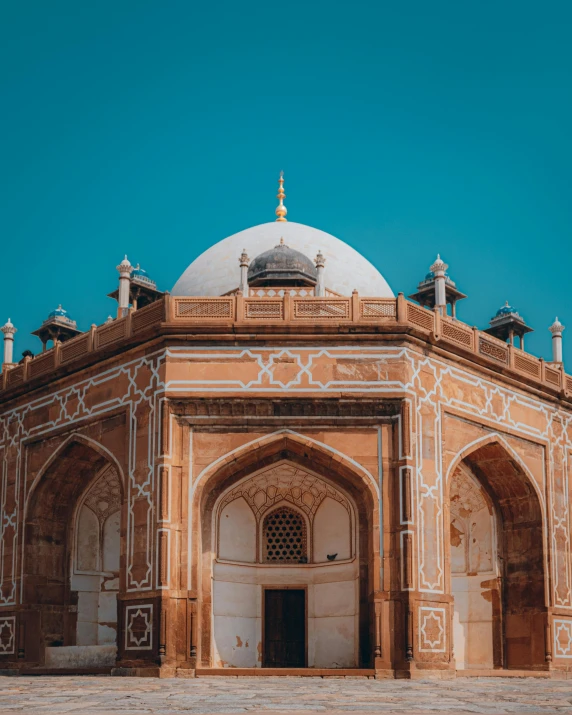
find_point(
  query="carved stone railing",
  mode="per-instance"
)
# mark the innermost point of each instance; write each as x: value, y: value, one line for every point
x: 236, y: 313
x: 291, y: 308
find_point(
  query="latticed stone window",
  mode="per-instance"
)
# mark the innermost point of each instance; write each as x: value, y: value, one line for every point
x: 284, y: 537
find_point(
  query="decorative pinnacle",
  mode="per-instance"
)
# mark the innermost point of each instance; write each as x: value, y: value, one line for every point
x: 319, y: 260
x: 244, y: 260
x: 125, y: 266
x: 556, y: 328
x: 439, y: 266
x: 281, y: 210
x: 8, y: 329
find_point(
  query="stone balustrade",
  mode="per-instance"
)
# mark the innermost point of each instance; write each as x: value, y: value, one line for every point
x: 231, y: 314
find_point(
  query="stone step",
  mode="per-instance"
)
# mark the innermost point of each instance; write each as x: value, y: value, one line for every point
x: 65, y: 671
x: 288, y: 672
x: 498, y: 673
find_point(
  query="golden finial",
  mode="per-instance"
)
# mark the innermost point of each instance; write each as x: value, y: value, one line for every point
x: 281, y: 209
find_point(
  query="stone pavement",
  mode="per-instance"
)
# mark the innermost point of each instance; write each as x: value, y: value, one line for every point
x: 86, y: 695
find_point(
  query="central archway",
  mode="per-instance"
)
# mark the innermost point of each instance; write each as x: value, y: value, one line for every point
x: 285, y: 528
x: 233, y: 505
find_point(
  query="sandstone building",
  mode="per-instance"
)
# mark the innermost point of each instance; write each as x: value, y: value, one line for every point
x: 282, y: 465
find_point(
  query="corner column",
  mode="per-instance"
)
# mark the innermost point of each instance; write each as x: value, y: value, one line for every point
x: 426, y: 608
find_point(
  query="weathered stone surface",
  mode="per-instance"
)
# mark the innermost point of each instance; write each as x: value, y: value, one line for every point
x: 385, y: 425
x: 112, y: 696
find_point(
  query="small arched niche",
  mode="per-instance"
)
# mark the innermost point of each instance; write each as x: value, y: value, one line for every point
x: 332, y: 536
x: 284, y: 537
x: 237, y: 532
x: 88, y: 552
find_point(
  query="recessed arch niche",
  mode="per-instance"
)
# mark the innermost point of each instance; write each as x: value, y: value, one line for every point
x: 497, y: 527
x: 72, y: 537
x: 293, y: 507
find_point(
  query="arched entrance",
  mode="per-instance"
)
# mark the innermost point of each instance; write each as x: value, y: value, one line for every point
x: 71, y: 559
x: 497, y: 562
x: 280, y: 530
x: 286, y: 559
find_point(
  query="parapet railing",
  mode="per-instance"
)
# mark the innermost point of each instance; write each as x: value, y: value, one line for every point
x: 237, y: 311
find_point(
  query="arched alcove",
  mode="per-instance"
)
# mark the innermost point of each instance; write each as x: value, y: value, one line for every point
x: 503, y: 515
x: 296, y: 603
x: 237, y: 532
x: 220, y: 485
x: 71, y: 536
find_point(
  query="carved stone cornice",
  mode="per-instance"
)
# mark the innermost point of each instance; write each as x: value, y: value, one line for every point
x: 224, y: 411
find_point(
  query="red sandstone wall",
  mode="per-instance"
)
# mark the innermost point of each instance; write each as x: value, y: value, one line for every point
x: 448, y: 413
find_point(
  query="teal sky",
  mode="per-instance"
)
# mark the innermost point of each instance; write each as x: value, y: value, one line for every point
x: 406, y: 129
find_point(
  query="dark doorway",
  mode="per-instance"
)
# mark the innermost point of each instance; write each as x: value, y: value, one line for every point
x: 284, y: 628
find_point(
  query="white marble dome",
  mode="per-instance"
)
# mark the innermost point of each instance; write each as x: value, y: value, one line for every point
x: 216, y: 271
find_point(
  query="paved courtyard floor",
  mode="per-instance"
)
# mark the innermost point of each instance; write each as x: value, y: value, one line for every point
x: 145, y: 696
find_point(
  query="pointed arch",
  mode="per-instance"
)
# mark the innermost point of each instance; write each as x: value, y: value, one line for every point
x: 522, y: 547
x: 83, y: 439
x: 271, y: 443
x: 241, y: 462
x: 483, y: 441
x: 48, y: 521
x: 308, y: 453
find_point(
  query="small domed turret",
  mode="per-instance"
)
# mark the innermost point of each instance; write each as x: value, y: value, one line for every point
x: 282, y: 266
x: 140, y: 275
x: 61, y: 314
x: 508, y: 323
x: 58, y: 327
x: 506, y: 310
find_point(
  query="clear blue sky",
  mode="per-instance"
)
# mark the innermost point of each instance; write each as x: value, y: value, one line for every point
x: 406, y: 129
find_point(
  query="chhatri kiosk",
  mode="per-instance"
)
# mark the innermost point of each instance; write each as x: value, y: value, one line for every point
x: 280, y: 465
